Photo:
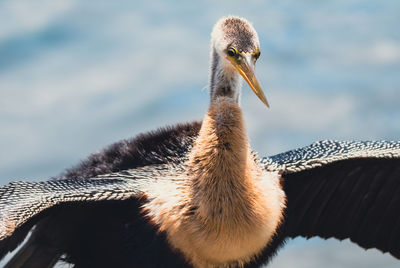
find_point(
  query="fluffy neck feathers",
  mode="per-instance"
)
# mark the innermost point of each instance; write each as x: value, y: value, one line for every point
x: 222, y: 141
x: 220, y: 159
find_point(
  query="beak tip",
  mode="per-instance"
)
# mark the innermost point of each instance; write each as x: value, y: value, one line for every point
x: 266, y: 104
x: 262, y: 97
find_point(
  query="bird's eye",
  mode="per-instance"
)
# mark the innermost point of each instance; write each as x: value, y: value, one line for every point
x: 256, y: 55
x: 232, y: 52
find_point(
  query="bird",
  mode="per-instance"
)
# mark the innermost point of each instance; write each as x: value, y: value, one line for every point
x: 196, y: 194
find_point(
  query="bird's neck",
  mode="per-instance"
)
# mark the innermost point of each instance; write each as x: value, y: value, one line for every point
x: 221, y: 163
x: 224, y: 79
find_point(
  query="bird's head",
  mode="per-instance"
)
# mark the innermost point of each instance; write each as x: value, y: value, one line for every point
x: 235, y: 49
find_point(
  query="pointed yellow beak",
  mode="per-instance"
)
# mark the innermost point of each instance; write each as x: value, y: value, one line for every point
x: 247, y: 71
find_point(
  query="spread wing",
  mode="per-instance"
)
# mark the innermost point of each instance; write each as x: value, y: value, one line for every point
x: 22, y: 204
x: 343, y: 190
x: 141, y: 160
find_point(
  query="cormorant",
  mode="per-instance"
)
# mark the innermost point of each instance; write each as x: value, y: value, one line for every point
x: 196, y: 194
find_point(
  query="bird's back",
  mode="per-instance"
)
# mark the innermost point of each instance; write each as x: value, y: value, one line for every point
x: 165, y: 145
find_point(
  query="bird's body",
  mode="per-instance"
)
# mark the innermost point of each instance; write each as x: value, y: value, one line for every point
x: 224, y: 207
x: 196, y: 194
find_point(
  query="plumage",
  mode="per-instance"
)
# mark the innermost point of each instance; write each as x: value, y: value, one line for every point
x: 196, y: 194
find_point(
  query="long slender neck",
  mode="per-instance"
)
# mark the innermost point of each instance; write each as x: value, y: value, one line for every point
x: 224, y: 79
x: 222, y: 137
x: 221, y: 165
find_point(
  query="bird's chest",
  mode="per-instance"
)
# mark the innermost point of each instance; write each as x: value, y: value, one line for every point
x: 228, y: 225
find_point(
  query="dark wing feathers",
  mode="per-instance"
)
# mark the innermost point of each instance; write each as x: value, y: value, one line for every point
x: 324, y: 152
x: 69, y: 202
x: 20, y: 201
x: 343, y: 190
